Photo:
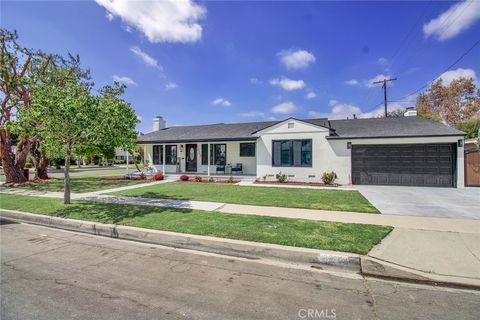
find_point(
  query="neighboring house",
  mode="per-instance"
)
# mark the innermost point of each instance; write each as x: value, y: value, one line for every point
x: 408, y: 150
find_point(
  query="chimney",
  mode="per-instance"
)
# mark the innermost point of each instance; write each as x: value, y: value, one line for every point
x: 410, y: 112
x: 158, y: 123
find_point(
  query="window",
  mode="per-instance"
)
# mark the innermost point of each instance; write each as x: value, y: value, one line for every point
x: 205, y: 154
x: 291, y: 125
x: 292, y: 153
x: 171, y: 155
x: 157, y: 154
x: 247, y: 149
x: 220, y: 154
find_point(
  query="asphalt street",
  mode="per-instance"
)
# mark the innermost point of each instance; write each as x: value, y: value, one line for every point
x: 53, y: 274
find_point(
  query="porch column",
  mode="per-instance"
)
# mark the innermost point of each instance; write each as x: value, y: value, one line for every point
x: 163, y: 159
x: 208, y: 159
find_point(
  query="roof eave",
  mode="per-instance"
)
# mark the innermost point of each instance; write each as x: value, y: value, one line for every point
x: 391, y: 137
x: 198, y: 140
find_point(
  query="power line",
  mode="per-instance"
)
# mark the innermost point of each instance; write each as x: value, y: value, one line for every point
x: 445, y: 70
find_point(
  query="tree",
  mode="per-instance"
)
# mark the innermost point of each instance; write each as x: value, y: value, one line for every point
x: 74, y: 119
x: 14, y: 67
x: 471, y: 127
x: 454, y: 103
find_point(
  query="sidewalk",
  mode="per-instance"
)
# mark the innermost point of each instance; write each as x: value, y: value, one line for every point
x: 422, y: 255
x: 397, y: 221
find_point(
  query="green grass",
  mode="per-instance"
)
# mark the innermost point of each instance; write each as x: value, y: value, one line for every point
x: 83, y: 183
x: 336, y: 200
x: 347, y: 237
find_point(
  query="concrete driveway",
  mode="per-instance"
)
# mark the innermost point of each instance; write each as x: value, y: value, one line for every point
x: 423, y: 201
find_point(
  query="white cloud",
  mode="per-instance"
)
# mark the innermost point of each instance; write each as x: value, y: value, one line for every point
x: 170, y: 86
x: 452, y: 22
x: 332, y: 102
x: 344, y: 110
x: 379, y: 77
x: 449, y: 76
x: 284, y: 108
x: 253, y: 114
x: 221, y: 102
x: 139, y: 118
x: 352, y: 82
x: 296, y: 59
x: 160, y: 20
x: 109, y: 16
x: 288, y: 84
x: 146, y: 58
x: 382, y: 61
x: 125, y: 80
x: 256, y: 81
x: 310, y: 95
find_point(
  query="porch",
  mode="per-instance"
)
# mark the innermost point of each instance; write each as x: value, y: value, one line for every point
x: 209, y: 158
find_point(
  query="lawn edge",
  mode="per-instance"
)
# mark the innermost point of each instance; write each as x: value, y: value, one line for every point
x: 224, y: 246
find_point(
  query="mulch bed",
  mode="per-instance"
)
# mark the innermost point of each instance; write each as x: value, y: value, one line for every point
x: 206, y: 181
x: 299, y: 183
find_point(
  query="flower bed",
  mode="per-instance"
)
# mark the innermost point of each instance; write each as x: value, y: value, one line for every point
x: 298, y: 183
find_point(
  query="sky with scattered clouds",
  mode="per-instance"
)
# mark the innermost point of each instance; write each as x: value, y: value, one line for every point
x: 212, y: 61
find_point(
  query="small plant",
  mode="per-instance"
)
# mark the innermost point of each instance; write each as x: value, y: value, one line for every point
x: 329, y: 177
x: 230, y: 180
x: 158, y: 176
x: 184, y: 177
x: 281, y: 177
x: 211, y: 179
x: 264, y: 178
x: 142, y: 176
x: 197, y: 179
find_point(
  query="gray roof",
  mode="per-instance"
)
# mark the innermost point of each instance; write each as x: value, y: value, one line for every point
x: 412, y: 126
x: 340, y: 129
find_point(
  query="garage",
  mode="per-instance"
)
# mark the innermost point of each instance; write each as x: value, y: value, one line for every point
x: 404, y: 164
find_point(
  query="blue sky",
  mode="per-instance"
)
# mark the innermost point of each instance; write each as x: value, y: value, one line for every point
x: 209, y: 62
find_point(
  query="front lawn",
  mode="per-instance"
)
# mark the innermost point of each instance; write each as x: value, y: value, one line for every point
x: 336, y: 200
x: 347, y: 237
x: 81, y: 184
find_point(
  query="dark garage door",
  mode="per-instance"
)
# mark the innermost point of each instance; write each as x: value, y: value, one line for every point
x: 404, y: 164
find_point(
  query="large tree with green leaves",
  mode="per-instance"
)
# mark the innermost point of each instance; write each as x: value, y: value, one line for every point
x: 452, y: 104
x: 72, y: 118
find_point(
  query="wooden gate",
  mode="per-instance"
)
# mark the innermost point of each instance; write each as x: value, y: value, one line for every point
x: 472, y: 168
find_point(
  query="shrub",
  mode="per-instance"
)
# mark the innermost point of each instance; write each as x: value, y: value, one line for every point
x: 230, y: 180
x: 210, y: 179
x: 119, y: 161
x: 329, y: 177
x: 197, y: 179
x: 158, y: 176
x: 281, y: 177
x: 28, y: 165
x: 184, y: 177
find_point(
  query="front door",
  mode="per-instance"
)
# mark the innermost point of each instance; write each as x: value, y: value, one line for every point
x: 191, y: 157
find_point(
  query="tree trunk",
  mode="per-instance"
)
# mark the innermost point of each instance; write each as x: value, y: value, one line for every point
x: 66, y: 181
x: 79, y: 163
x: 12, y: 163
x: 40, y: 160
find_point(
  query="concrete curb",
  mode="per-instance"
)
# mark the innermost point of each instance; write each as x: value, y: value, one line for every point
x: 382, y: 269
x: 244, y: 249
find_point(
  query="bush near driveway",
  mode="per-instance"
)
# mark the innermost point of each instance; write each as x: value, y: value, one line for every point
x: 347, y: 237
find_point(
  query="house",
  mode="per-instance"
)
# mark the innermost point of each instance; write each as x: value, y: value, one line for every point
x: 408, y: 150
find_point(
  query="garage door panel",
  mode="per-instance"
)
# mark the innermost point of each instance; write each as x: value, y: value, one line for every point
x: 408, y: 164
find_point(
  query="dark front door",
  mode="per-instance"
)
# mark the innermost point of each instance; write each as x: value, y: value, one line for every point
x: 191, y: 157
x: 404, y: 164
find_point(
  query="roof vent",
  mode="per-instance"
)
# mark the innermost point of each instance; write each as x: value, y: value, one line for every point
x: 410, y: 112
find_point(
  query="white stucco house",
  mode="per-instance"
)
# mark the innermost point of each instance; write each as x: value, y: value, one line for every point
x: 409, y: 150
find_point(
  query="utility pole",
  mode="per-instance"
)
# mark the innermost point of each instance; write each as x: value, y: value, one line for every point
x: 384, y: 81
